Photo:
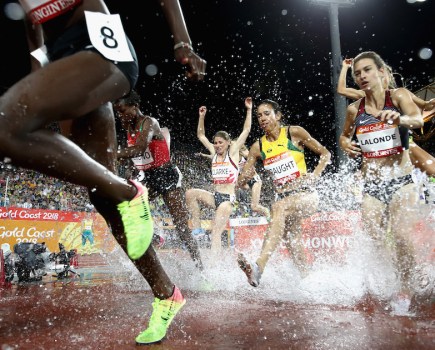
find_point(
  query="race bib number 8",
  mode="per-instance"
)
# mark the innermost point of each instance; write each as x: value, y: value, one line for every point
x: 107, y: 36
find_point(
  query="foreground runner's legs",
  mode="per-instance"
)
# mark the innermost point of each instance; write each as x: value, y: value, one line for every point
x: 138, y: 224
x: 148, y: 264
x: 164, y: 312
x: 252, y: 270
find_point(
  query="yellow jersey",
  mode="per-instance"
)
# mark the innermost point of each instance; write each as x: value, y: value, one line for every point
x: 282, y: 158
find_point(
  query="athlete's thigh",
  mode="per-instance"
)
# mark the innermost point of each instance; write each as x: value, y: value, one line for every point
x: 95, y: 133
x: 223, y: 212
x: 255, y: 192
x: 373, y: 211
x: 203, y: 196
x: 404, y: 208
x: 301, y: 204
x: 176, y: 202
x: 64, y: 89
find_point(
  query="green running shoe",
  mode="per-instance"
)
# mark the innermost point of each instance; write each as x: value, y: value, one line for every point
x: 138, y: 223
x: 163, y: 313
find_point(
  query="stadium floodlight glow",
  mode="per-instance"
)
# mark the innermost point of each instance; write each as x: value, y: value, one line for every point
x: 340, y: 3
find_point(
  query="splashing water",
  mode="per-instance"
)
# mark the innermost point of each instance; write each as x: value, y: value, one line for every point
x: 363, y: 268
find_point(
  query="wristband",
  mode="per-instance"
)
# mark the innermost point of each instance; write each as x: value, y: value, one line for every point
x: 183, y: 44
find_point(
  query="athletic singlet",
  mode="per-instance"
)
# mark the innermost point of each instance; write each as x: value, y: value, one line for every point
x: 284, y: 160
x: 378, y: 139
x: 156, y: 155
x: 225, y: 172
x: 40, y: 11
x: 87, y: 225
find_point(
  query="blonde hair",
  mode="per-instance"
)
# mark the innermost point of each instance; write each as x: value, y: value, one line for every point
x: 222, y: 134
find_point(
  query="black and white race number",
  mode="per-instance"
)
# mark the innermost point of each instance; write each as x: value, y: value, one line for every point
x: 107, y: 36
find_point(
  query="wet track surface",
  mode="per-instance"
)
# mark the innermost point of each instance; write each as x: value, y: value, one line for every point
x: 101, y: 310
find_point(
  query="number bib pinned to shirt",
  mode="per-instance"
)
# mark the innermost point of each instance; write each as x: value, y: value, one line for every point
x: 379, y: 140
x: 283, y: 168
x: 107, y: 36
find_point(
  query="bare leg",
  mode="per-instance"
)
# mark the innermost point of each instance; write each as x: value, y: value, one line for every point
x: 274, y: 234
x: 295, y: 245
x: 193, y: 197
x: 222, y: 215
x: 294, y: 208
x: 176, y: 204
x: 404, y: 200
x: 62, y: 91
x: 255, y: 200
x: 421, y: 159
x: 100, y: 146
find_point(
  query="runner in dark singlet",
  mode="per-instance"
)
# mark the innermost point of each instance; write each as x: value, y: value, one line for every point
x: 419, y: 157
x: 89, y: 63
x: 381, y: 121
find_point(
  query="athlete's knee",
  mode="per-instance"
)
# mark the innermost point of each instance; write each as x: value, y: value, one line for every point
x: 255, y: 206
x: 190, y: 196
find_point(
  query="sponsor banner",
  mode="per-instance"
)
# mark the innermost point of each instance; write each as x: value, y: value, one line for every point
x: 54, y: 227
x: 12, y: 213
x: 250, y: 221
x: 326, y: 235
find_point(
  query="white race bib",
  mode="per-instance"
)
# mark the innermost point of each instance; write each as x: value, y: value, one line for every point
x: 107, y: 36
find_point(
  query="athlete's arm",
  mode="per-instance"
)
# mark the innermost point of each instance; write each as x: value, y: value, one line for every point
x: 142, y: 142
x: 312, y: 144
x: 183, y: 50
x: 248, y: 171
x: 342, y: 89
x: 200, y: 131
x: 422, y: 104
x: 346, y: 143
x: 246, y: 126
x: 410, y: 118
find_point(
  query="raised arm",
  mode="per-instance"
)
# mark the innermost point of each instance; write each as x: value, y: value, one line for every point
x: 183, y: 49
x: 342, y: 89
x: 200, y: 132
x: 246, y: 126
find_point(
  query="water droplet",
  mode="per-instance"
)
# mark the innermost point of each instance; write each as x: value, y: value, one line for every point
x: 14, y: 11
x: 151, y: 70
x: 425, y: 53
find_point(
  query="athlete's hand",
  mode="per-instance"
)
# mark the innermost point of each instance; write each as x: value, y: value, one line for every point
x: 352, y: 149
x: 309, y: 179
x: 195, y: 65
x: 248, y: 102
x: 347, y: 62
x: 202, y: 111
x: 389, y: 117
